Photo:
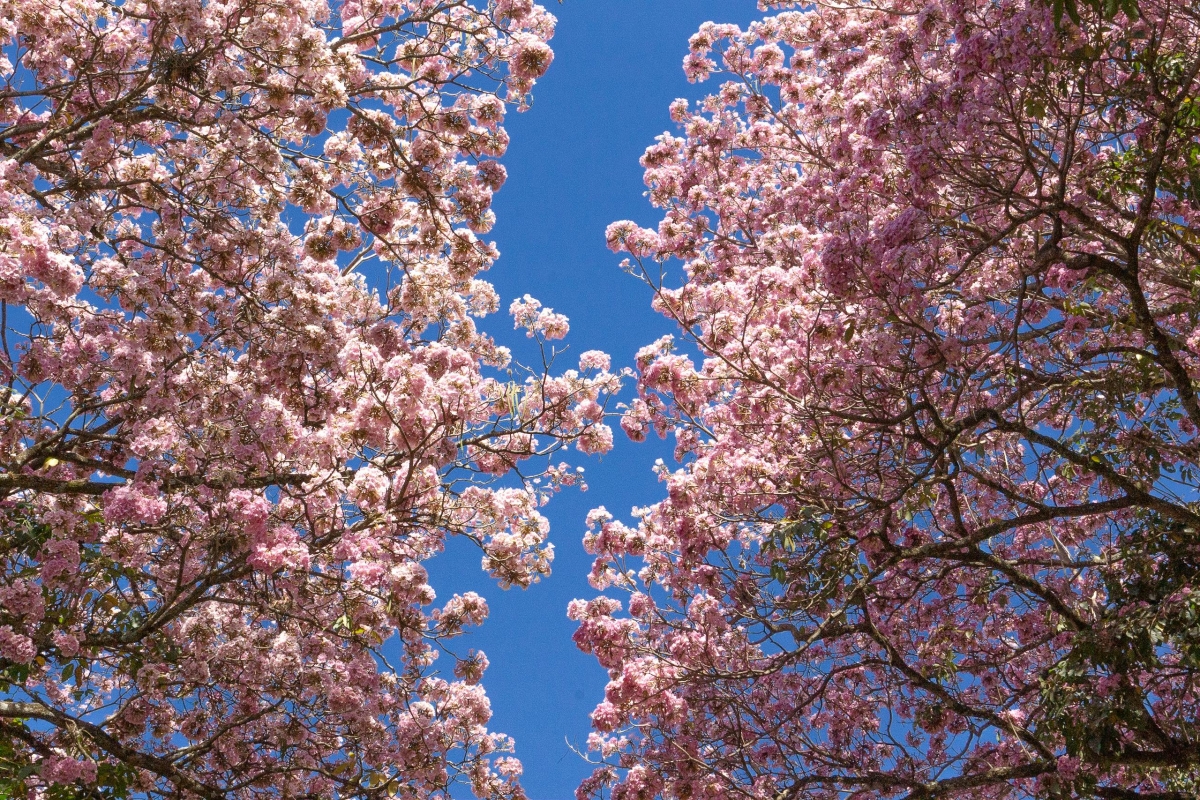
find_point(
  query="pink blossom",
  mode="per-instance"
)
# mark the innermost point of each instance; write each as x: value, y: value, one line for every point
x: 528, y: 313
x: 65, y: 770
x: 16, y: 647
x: 531, y: 57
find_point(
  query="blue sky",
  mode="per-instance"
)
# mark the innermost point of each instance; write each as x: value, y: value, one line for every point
x: 573, y: 168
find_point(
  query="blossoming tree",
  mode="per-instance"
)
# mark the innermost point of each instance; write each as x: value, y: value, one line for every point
x: 244, y: 396
x: 935, y: 529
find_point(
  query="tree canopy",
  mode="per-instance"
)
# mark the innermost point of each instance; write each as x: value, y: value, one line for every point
x: 934, y: 533
x: 933, y: 527
x: 244, y: 396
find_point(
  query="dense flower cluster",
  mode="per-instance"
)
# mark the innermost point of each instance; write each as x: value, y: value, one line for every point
x: 935, y: 529
x: 244, y: 396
